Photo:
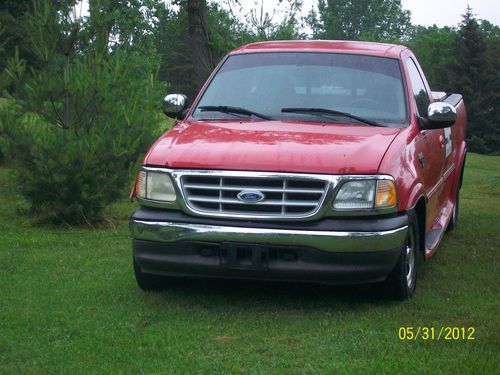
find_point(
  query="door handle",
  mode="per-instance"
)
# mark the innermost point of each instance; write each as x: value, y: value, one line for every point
x: 441, y: 141
x: 421, y: 159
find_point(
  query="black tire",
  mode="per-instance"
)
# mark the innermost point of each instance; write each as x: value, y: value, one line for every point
x: 454, y: 216
x: 403, y: 278
x: 148, y: 282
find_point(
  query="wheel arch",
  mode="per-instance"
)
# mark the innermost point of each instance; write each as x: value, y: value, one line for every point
x: 420, y: 211
x: 462, y: 169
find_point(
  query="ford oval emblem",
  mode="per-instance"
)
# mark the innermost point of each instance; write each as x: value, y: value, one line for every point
x: 250, y: 196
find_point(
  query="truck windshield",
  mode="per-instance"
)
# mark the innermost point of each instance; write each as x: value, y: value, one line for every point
x: 367, y: 87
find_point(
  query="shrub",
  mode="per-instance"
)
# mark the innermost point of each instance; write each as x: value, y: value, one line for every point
x: 74, y: 125
x: 3, y: 135
x: 75, y: 139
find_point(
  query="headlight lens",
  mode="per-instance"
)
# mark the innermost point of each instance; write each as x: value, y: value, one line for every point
x: 156, y: 186
x: 355, y: 195
x: 366, y: 194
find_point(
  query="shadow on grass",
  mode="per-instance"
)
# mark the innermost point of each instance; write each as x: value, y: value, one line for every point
x: 264, y: 296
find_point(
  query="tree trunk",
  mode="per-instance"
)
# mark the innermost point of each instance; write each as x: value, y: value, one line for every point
x: 198, y: 34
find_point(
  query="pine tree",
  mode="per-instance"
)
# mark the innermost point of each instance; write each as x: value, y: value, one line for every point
x: 79, y: 123
x: 476, y: 78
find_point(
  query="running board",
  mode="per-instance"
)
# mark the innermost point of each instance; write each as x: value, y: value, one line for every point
x: 434, y: 235
x: 432, y: 238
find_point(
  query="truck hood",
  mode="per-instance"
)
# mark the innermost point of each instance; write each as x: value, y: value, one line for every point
x: 274, y: 146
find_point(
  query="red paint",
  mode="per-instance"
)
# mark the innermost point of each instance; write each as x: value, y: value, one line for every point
x: 331, y: 46
x: 329, y: 148
x: 272, y: 146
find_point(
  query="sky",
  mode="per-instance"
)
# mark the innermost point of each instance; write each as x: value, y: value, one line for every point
x: 449, y: 12
x: 423, y: 12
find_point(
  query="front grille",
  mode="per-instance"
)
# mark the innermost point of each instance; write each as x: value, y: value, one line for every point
x: 285, y: 196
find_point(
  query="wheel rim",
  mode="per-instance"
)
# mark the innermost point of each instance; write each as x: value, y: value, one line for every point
x: 410, y: 260
x: 455, y: 211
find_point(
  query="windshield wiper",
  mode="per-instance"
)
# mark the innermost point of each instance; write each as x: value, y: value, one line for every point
x: 326, y: 111
x: 230, y: 109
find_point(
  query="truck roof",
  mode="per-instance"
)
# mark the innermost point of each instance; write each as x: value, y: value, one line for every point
x: 338, y: 46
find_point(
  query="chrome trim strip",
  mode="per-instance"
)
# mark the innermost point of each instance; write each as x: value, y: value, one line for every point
x: 238, y: 188
x: 332, y: 241
x: 268, y: 202
x: 435, y: 188
x: 449, y: 171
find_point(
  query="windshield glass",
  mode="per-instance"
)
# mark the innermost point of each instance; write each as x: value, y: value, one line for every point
x: 365, y: 86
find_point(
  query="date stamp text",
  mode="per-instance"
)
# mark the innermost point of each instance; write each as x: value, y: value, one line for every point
x: 446, y: 333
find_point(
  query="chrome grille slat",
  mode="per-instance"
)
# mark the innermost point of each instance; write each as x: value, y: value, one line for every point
x: 283, y: 198
x: 265, y: 203
x: 286, y: 195
x: 263, y: 189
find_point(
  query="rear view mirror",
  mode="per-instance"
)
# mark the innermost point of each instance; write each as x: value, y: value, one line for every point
x: 440, y: 115
x: 175, y: 105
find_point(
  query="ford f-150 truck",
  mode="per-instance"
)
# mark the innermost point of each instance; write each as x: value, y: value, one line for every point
x: 310, y: 161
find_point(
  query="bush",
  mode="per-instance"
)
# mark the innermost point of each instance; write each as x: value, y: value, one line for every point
x: 9, y: 123
x: 75, y: 138
x: 3, y: 135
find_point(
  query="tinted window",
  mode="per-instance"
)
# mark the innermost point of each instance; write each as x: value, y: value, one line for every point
x: 366, y: 86
x: 419, y: 92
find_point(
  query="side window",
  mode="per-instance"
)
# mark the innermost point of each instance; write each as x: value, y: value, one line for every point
x: 421, y: 97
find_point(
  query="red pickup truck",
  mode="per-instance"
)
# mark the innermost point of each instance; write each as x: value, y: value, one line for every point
x: 313, y: 161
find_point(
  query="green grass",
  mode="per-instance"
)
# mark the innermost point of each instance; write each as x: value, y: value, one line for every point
x: 69, y: 304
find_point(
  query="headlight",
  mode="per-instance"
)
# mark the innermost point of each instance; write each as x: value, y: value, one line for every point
x: 156, y: 186
x: 354, y: 195
x: 366, y: 194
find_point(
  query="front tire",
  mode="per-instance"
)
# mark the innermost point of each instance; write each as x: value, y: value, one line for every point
x: 403, y: 278
x: 454, y: 216
x: 147, y: 281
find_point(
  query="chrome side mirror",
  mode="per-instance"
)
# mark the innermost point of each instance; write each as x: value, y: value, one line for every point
x: 440, y: 115
x: 174, y: 105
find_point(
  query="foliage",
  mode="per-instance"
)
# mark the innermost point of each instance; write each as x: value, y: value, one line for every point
x: 11, y: 33
x: 360, y: 20
x: 79, y: 123
x: 225, y: 31
x: 14, y: 38
x: 262, y: 25
x: 477, y: 53
x: 464, y: 60
x: 174, y: 45
x: 4, y: 143
x: 434, y: 49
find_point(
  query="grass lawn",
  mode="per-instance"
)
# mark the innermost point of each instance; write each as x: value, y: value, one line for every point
x: 69, y: 304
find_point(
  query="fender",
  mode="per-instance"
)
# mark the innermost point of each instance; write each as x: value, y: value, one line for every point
x: 462, y: 155
x: 415, y: 193
x: 459, y: 170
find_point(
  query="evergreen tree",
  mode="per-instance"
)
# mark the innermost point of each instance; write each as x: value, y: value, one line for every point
x: 78, y: 124
x: 478, y: 80
x: 434, y: 48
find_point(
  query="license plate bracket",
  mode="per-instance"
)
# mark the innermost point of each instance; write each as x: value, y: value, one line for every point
x: 245, y: 256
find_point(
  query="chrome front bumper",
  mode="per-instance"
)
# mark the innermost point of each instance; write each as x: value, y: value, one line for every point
x: 329, y: 241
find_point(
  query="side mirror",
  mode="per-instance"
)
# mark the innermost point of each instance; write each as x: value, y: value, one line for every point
x: 439, y: 115
x: 175, y: 105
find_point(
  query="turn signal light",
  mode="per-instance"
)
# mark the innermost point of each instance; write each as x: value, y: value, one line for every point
x: 386, y: 194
